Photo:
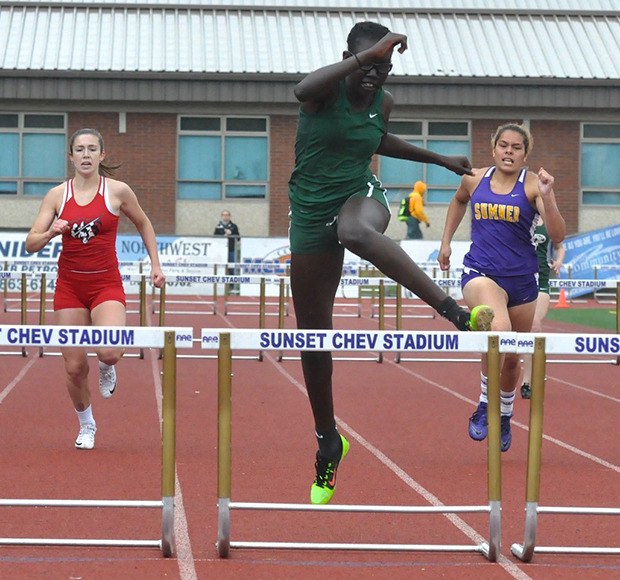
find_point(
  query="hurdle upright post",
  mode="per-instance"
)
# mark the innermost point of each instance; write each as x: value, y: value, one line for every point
x: 169, y: 386
x: 525, y: 551
x: 281, y: 297
x: 381, y: 313
x: 492, y: 549
x: 5, y: 288
x: 162, y: 305
x: 261, y: 304
x: 399, y: 314
x: 42, y: 305
x: 618, y: 316
x: 24, y: 308
x: 224, y: 449
x: 162, y: 311
x: 142, y: 307
x: 261, y: 311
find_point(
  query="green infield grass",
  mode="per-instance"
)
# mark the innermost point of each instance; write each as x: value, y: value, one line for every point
x: 603, y: 318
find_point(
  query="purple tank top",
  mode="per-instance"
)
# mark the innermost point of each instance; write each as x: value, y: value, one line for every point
x: 502, y: 230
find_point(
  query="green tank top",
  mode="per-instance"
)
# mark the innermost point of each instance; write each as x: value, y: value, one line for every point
x: 333, y: 151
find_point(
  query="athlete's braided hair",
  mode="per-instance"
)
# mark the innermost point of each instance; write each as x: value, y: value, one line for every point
x: 367, y: 30
x: 104, y: 168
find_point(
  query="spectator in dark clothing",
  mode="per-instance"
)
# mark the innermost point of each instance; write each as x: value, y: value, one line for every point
x: 225, y: 227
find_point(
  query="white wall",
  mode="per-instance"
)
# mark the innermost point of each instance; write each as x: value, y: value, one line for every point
x: 397, y: 230
x: 199, y: 218
x: 18, y: 213
x: 591, y: 218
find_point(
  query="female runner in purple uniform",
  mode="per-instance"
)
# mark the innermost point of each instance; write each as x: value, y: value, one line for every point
x: 501, y: 267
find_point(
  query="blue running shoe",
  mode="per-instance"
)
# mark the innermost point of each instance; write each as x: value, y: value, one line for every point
x: 478, y: 427
x: 506, y: 434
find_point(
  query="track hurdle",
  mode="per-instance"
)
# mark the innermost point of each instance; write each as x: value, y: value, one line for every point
x: 593, y: 285
x: 359, y: 282
x: 574, y: 344
x: 603, y: 296
x: 225, y: 340
x: 44, y: 277
x: 407, y: 310
x: 79, y: 336
x: 23, y: 277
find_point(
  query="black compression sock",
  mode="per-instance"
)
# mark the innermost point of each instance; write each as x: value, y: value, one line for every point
x: 330, y: 444
x: 456, y: 314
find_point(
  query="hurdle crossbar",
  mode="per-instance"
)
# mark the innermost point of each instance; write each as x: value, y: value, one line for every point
x: 166, y: 339
x: 43, y: 278
x: 576, y: 344
x: 225, y: 340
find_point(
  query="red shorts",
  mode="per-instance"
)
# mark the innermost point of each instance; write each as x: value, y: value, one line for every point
x: 78, y: 290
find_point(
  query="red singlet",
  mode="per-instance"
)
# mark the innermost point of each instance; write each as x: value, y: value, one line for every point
x: 88, y: 271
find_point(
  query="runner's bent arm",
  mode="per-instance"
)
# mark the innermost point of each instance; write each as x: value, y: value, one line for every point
x: 547, y: 206
x: 132, y: 209
x: 45, y: 226
x: 454, y: 217
x: 393, y: 146
x: 321, y: 86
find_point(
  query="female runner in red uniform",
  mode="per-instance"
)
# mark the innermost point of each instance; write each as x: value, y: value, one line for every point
x: 89, y: 291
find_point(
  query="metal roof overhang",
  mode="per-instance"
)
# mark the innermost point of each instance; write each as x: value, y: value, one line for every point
x: 266, y: 93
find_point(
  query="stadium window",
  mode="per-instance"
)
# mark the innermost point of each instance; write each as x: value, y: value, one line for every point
x: 222, y: 158
x: 600, y: 170
x: 34, y: 152
x: 445, y: 137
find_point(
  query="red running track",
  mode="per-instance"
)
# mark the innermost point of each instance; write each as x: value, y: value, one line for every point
x: 407, y: 425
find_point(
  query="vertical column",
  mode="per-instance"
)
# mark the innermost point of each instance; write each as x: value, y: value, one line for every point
x: 169, y: 387
x: 224, y: 450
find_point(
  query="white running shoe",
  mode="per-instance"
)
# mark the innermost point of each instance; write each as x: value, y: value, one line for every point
x: 86, y: 436
x: 107, y: 380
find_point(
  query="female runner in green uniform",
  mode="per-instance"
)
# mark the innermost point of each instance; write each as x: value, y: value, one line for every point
x: 336, y: 203
x: 546, y: 262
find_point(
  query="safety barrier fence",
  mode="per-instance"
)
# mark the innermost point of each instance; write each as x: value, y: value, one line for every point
x: 601, y: 294
x: 42, y: 279
x: 282, y: 282
x: 226, y: 340
x: 601, y: 285
x: 184, y: 272
x: 168, y: 340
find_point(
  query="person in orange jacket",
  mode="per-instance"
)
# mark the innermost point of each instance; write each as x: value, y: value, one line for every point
x: 416, y: 211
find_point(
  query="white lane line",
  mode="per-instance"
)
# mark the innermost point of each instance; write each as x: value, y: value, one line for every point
x: 5, y: 392
x: 585, y: 389
x: 513, y: 423
x: 509, y: 566
x: 182, y: 542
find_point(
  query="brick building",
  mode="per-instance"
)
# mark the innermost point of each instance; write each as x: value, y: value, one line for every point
x: 195, y: 99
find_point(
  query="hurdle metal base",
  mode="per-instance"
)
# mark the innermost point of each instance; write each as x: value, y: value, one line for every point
x: 167, y: 527
x: 490, y: 550
x: 165, y: 544
x: 528, y: 548
x: 360, y: 547
x: 519, y: 550
x: 80, y: 542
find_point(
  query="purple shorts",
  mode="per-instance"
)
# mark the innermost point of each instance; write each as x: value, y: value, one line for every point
x: 520, y: 289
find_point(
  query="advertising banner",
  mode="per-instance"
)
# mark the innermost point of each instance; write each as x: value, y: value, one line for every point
x: 592, y: 255
x: 178, y: 254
